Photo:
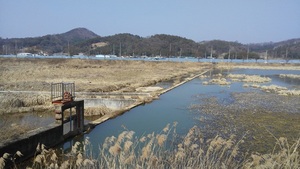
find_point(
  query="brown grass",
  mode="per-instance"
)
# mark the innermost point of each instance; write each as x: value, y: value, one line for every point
x: 254, y: 113
x: 190, y: 151
x: 36, y: 75
x: 88, y: 75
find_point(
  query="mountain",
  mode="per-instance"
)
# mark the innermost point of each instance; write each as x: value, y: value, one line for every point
x: 128, y: 44
x: 77, y: 35
x: 82, y: 40
x: 284, y: 49
x: 48, y: 44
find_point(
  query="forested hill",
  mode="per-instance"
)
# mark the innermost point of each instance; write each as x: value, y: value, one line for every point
x: 49, y: 44
x: 81, y: 40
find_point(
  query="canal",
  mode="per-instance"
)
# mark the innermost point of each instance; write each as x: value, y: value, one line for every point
x: 174, y: 106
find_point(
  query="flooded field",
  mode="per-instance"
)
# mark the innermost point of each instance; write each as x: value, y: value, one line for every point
x: 247, y: 110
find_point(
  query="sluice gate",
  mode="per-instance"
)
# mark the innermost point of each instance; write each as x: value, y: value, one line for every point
x: 63, y: 98
x: 67, y: 125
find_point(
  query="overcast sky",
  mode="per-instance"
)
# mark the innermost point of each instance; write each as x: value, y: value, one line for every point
x: 245, y: 21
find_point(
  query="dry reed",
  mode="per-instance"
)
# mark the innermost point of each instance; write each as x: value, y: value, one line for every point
x: 192, y: 151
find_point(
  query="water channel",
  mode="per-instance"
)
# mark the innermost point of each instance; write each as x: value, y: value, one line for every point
x: 173, y: 106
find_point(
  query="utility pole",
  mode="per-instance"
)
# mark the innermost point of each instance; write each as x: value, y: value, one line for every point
x: 120, y: 52
x: 180, y: 52
x: 113, y: 51
x: 16, y: 47
x: 266, y: 58
x: 228, y: 54
x: 235, y: 55
x: 69, y: 48
x: 248, y: 53
x: 170, y: 50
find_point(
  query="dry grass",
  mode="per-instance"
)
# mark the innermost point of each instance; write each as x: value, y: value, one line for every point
x: 252, y: 113
x: 36, y: 75
x: 23, y: 102
x: 166, y: 150
x: 249, y: 78
x: 18, y: 74
x: 254, y: 81
x: 126, y: 151
x: 284, y: 155
x: 89, y: 75
x: 96, y: 111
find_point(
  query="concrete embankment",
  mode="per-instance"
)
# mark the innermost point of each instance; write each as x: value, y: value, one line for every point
x: 137, y: 103
x: 181, y: 83
x: 28, y: 144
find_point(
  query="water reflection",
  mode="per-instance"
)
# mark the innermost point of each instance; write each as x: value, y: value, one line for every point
x: 30, y: 119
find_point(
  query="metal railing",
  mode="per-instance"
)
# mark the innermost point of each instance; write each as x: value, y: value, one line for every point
x: 58, y: 90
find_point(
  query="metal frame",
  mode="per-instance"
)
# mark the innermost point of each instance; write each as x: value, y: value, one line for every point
x: 58, y: 90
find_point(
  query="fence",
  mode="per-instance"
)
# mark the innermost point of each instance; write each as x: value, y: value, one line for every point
x: 59, y: 90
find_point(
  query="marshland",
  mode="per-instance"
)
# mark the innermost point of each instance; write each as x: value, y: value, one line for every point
x: 233, y: 116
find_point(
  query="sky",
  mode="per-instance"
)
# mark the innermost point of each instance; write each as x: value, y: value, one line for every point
x: 244, y: 21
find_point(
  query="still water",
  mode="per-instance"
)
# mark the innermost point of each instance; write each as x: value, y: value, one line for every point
x: 153, y: 117
x: 174, y: 107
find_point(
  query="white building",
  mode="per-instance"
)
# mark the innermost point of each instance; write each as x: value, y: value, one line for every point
x: 24, y: 54
x: 102, y: 56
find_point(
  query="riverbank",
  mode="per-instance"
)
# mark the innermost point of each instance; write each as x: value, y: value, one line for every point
x: 29, y: 82
x: 154, y: 92
x: 89, y: 76
x: 25, y: 83
x: 155, y: 95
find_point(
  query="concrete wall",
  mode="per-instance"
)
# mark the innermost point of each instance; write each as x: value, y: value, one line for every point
x: 27, y: 144
x: 109, y: 103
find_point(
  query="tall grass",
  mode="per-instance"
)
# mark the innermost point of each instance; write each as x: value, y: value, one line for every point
x: 167, y: 150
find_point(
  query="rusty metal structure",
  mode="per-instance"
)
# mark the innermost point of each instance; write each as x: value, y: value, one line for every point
x: 63, y: 98
x: 62, y: 92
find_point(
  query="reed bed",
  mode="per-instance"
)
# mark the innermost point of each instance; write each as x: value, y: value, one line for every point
x: 165, y: 149
x: 292, y: 76
x: 23, y: 102
x: 249, y: 78
x: 253, y: 81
